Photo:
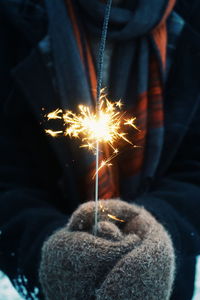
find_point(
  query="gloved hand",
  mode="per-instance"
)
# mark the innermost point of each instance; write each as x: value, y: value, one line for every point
x: 127, y: 260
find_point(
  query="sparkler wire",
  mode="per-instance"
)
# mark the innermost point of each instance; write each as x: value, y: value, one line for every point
x: 102, y: 50
x: 99, y: 86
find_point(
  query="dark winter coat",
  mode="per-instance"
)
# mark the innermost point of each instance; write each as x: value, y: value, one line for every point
x: 37, y: 183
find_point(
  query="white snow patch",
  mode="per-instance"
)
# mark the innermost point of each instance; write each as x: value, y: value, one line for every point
x: 7, y: 291
x: 197, y: 281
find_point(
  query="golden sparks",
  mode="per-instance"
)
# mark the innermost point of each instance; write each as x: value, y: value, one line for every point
x: 104, y: 210
x: 53, y: 133
x: 55, y: 114
x: 115, y: 218
x: 107, y: 162
x: 131, y: 122
x: 103, y: 126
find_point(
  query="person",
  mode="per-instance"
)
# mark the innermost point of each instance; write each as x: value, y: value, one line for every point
x: 48, y: 61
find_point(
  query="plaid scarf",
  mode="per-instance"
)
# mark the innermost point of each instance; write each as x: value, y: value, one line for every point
x: 137, y: 76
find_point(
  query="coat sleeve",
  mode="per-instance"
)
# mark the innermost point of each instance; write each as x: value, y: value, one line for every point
x: 174, y: 199
x: 29, y: 175
x: 175, y: 196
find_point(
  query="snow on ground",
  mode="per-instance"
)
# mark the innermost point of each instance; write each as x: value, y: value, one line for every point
x: 197, y: 281
x: 7, y: 292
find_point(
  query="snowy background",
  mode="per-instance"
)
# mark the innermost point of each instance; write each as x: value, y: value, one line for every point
x: 7, y: 292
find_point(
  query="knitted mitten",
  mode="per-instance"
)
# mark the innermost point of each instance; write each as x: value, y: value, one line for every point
x: 133, y: 259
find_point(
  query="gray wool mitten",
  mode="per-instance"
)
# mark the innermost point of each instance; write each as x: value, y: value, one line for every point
x: 131, y: 257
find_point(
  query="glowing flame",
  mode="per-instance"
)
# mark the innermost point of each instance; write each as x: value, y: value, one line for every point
x: 102, y: 126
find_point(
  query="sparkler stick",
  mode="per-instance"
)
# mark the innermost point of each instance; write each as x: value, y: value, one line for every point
x: 106, y: 125
x: 99, y: 86
x: 96, y: 189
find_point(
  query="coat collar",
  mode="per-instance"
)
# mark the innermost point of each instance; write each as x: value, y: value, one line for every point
x: 182, y: 93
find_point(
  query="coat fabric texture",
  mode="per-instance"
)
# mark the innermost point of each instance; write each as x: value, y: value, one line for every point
x: 39, y: 190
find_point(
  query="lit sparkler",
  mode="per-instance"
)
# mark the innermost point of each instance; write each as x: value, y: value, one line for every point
x: 90, y: 127
x: 93, y: 128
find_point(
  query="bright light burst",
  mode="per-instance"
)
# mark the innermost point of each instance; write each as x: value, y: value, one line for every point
x: 107, y: 125
x: 89, y: 126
